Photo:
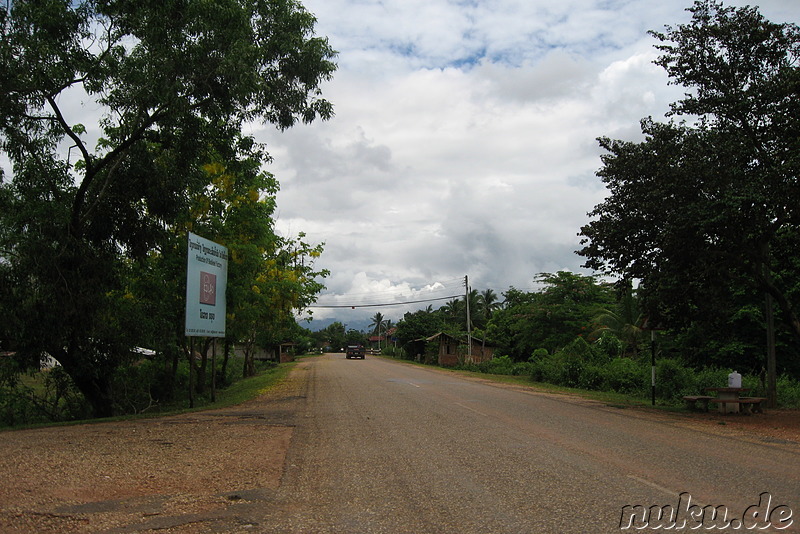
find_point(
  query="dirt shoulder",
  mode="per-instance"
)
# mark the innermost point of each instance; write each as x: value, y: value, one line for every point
x: 773, y: 426
x: 144, y: 475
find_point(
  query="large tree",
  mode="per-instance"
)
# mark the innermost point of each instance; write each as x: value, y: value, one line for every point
x: 712, y: 201
x: 172, y: 81
x: 551, y: 318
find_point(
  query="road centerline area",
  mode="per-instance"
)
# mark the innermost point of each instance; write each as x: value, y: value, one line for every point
x: 378, y: 459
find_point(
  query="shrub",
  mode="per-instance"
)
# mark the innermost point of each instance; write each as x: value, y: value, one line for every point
x: 624, y: 375
x: 708, y: 377
x: 43, y: 396
x: 592, y: 377
x: 550, y: 369
x: 573, y: 370
x: 538, y: 355
x: 788, y: 392
x: 138, y: 387
x: 502, y: 365
x: 522, y: 368
x: 469, y: 366
x: 608, y: 346
x: 673, y: 379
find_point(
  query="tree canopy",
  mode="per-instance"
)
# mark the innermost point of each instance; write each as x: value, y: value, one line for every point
x: 173, y: 82
x: 710, y: 201
x: 704, y: 212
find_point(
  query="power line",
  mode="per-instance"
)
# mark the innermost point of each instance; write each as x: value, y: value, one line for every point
x: 354, y: 306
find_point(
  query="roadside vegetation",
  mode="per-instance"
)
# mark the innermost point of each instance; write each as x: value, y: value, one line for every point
x: 94, y: 216
x: 49, y: 396
x: 573, y: 333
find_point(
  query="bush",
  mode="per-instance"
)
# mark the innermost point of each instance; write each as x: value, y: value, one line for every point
x: 522, y: 368
x: 624, y: 375
x: 469, y: 366
x: 788, y: 392
x: 139, y: 387
x: 608, y: 346
x: 15, y: 405
x: 708, y: 377
x: 592, y: 377
x: 673, y: 379
x: 394, y: 352
x: 549, y: 369
x: 538, y: 355
x: 560, y: 369
x: 502, y: 365
x: 40, y: 397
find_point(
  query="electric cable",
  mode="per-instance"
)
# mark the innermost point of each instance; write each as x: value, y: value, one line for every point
x: 354, y: 306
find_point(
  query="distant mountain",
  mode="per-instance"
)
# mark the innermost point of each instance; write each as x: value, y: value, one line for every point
x: 319, y: 324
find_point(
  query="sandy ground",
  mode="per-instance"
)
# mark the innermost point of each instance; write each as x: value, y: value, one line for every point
x: 125, y: 476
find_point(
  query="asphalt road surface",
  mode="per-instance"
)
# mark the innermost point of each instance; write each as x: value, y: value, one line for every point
x: 381, y: 446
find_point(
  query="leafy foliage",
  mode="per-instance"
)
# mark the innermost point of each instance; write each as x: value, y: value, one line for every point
x: 697, y: 208
x: 552, y: 318
x: 82, y: 229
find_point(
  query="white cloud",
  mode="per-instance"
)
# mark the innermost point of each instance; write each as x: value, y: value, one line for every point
x: 465, y: 133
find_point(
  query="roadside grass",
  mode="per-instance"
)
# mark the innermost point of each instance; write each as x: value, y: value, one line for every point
x: 250, y: 388
x: 617, y: 400
x: 237, y: 393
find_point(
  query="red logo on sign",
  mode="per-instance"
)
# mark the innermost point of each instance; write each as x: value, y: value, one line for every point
x: 208, y: 288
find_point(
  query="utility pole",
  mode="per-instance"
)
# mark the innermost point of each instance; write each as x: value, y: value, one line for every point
x: 653, y: 366
x: 772, y: 387
x: 469, y: 332
x: 772, y: 380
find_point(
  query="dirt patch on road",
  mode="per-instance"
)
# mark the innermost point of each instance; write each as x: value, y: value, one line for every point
x: 144, y: 475
x: 774, y: 426
x: 779, y: 426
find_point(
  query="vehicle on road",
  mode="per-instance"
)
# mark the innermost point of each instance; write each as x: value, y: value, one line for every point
x: 355, y: 351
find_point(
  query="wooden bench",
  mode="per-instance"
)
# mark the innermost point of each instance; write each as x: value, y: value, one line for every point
x: 692, y: 400
x: 747, y: 405
x: 754, y: 403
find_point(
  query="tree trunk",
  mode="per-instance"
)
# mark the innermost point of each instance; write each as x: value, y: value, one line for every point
x: 98, y: 393
x: 224, y: 371
x: 202, y: 369
x: 173, y: 377
x: 95, y: 386
x: 249, y: 360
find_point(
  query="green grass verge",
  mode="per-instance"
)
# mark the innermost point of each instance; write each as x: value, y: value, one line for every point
x: 237, y: 393
x: 250, y: 388
x: 618, y: 400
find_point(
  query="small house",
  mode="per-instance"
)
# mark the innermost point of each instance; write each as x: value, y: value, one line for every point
x: 454, y: 351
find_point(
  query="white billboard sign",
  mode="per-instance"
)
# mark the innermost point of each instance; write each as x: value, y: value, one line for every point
x: 206, y: 281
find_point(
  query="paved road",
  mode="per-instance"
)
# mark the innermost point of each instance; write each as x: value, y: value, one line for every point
x: 381, y: 446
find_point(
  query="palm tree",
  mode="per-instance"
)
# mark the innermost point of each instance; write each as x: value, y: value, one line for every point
x: 387, y: 325
x: 377, y: 324
x: 625, y: 323
x: 487, y: 303
x: 451, y: 309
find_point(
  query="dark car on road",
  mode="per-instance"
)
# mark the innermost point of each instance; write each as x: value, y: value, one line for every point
x: 355, y: 351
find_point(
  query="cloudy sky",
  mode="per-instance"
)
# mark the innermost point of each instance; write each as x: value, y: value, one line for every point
x: 464, y: 141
